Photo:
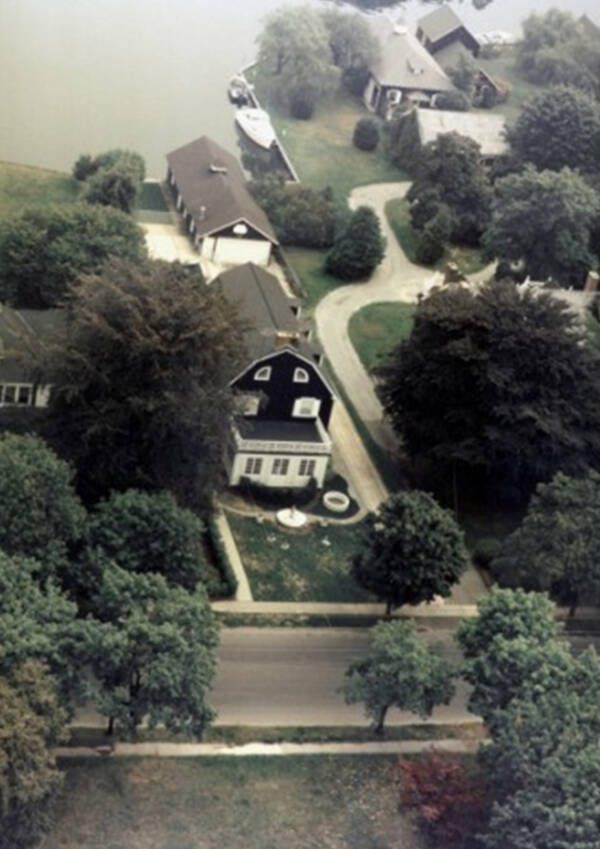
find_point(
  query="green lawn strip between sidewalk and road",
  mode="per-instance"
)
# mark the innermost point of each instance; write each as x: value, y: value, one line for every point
x: 232, y: 803
x: 312, y: 565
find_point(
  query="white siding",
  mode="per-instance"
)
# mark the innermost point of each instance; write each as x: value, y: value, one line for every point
x: 266, y: 476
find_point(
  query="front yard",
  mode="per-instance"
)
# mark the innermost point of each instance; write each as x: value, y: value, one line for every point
x: 231, y: 803
x: 313, y: 565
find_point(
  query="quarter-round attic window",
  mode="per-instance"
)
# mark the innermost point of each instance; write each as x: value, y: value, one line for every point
x: 263, y: 373
x: 300, y: 375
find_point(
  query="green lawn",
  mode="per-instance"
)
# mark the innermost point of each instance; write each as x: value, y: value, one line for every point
x: 150, y: 196
x: 22, y: 185
x: 503, y: 67
x: 322, y: 152
x: 231, y: 803
x: 308, y: 265
x: 377, y: 329
x: 313, y: 565
x: 469, y: 260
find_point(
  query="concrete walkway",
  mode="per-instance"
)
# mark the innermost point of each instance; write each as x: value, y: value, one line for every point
x: 243, y: 592
x: 217, y: 750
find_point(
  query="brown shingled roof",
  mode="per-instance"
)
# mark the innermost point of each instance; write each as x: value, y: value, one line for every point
x: 213, y: 188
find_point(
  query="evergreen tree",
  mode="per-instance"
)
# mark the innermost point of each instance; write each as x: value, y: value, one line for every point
x: 358, y: 249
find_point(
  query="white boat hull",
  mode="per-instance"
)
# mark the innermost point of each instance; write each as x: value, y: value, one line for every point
x: 256, y: 124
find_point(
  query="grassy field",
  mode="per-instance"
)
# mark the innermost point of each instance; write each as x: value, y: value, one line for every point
x: 377, y: 329
x: 21, y: 185
x: 469, y: 260
x: 322, y: 151
x: 309, y: 566
x: 232, y: 803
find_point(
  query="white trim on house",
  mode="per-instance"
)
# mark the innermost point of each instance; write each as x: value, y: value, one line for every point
x: 306, y: 408
x: 278, y: 446
x: 301, y: 375
x: 263, y: 373
x: 296, y: 353
x: 283, y: 471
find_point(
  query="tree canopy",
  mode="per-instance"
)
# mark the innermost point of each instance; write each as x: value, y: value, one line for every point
x: 400, y: 671
x: 358, y: 248
x: 158, y: 653
x: 412, y: 551
x: 32, y: 723
x: 554, y: 243
x: 295, y: 62
x: 556, y: 546
x: 449, y: 171
x: 149, y: 532
x: 42, y: 250
x: 112, y: 179
x: 141, y: 396
x: 300, y: 215
x: 558, y: 128
x: 353, y: 45
x: 496, y: 383
x: 40, y: 514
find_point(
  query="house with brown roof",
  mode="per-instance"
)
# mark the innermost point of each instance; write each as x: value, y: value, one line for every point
x: 225, y: 224
x: 24, y: 333
x: 404, y: 71
x: 280, y: 435
x: 441, y: 28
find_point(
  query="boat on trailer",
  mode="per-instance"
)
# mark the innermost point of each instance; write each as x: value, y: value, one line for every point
x: 256, y: 124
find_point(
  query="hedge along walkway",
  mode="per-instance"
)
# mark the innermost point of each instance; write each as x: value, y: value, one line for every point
x: 217, y: 750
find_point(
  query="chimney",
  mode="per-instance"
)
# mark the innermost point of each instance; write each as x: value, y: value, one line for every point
x: 591, y: 282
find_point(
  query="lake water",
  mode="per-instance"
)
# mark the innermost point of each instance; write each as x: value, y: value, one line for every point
x: 150, y: 75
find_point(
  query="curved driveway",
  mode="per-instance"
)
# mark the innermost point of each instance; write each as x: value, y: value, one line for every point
x: 395, y: 279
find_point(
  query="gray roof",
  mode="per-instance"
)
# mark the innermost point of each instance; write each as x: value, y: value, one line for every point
x: 265, y: 309
x: 282, y: 431
x: 487, y: 130
x: 439, y: 23
x: 23, y: 333
x: 404, y: 62
x: 213, y: 188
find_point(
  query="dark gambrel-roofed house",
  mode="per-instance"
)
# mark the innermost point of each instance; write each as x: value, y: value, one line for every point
x: 280, y: 433
x: 224, y: 222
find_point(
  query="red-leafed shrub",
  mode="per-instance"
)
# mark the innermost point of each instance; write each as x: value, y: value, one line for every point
x: 449, y: 799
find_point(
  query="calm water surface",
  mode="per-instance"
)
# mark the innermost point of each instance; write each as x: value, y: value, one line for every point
x: 87, y: 75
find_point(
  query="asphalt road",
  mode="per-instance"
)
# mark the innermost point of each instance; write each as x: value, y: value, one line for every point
x: 271, y: 676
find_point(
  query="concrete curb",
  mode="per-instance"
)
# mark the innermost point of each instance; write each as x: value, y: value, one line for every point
x: 217, y: 750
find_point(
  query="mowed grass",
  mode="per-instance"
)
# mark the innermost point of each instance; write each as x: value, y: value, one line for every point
x: 308, y: 264
x: 377, y: 329
x: 22, y: 185
x: 322, y: 152
x: 150, y: 196
x: 469, y: 260
x: 231, y: 803
x: 312, y: 565
x: 502, y: 67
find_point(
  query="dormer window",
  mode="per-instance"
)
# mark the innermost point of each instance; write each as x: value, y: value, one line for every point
x: 300, y: 375
x: 263, y: 373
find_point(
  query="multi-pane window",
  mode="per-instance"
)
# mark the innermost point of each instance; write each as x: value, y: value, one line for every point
x: 306, y: 408
x: 307, y: 467
x: 13, y: 394
x: 280, y: 466
x: 253, y: 466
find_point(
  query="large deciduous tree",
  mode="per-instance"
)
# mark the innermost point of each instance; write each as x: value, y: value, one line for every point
x: 294, y: 62
x: 559, y: 128
x: 43, y: 250
x: 496, y: 384
x: 32, y: 723
x: 412, y: 551
x: 141, y: 396
x: 149, y: 532
x: 40, y: 514
x: 544, y: 220
x: 354, y: 48
x: 301, y: 216
x: 112, y: 179
x: 556, y: 547
x: 399, y: 671
x: 359, y: 248
x: 449, y: 171
x: 158, y: 653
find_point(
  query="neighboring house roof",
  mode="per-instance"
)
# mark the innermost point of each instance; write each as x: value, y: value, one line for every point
x: 486, y: 130
x: 404, y: 62
x: 23, y: 333
x: 213, y: 188
x: 439, y: 23
x: 265, y: 309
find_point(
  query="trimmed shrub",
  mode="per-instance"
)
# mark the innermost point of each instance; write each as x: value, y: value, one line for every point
x: 366, y: 134
x: 355, y: 80
x: 276, y: 497
x: 359, y: 249
x: 302, y: 105
x: 455, y: 101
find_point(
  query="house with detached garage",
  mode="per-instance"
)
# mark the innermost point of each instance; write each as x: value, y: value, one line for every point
x: 280, y: 434
x: 405, y: 70
x: 225, y: 224
x: 23, y: 333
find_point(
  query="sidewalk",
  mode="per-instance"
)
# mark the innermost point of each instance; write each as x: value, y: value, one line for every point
x: 217, y: 750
